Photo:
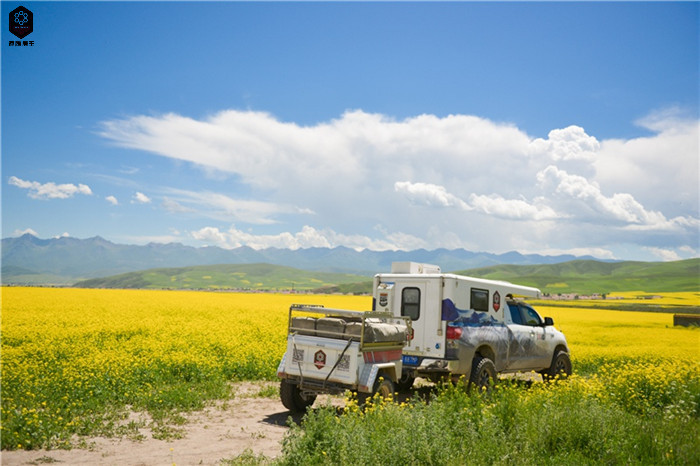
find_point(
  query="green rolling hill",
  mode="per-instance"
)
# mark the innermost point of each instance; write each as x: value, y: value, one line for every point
x: 588, y: 276
x: 580, y: 276
x: 223, y: 277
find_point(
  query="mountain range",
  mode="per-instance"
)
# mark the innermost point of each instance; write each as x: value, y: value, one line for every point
x: 66, y: 260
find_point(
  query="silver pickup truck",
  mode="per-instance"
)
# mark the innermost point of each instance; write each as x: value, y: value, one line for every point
x: 466, y: 327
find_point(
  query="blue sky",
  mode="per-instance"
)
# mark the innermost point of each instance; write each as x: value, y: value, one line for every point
x: 538, y: 127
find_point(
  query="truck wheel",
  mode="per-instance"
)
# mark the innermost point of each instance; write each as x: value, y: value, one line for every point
x: 405, y: 382
x: 483, y: 375
x: 561, y: 367
x: 293, y: 399
x: 382, y: 386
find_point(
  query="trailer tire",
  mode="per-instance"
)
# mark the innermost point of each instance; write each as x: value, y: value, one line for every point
x: 383, y: 386
x: 293, y: 399
x: 483, y: 375
x: 560, y: 368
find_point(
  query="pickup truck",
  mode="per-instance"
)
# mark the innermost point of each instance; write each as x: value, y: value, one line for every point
x: 334, y: 350
x: 466, y: 327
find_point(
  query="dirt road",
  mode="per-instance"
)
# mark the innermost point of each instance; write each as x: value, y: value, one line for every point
x: 217, y: 433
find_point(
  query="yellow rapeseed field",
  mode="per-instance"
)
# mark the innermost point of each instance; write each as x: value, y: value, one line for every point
x: 73, y: 360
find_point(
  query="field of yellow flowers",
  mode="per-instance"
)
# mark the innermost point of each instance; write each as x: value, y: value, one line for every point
x: 75, y: 361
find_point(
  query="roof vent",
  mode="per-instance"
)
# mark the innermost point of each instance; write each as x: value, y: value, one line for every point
x: 413, y: 267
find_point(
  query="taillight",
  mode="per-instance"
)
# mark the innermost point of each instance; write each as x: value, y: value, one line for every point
x: 453, y: 333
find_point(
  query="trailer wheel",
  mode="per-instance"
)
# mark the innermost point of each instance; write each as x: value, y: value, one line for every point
x: 293, y: 399
x: 383, y: 386
x: 561, y: 367
x: 483, y: 375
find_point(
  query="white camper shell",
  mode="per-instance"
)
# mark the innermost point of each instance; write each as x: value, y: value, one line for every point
x: 458, y: 321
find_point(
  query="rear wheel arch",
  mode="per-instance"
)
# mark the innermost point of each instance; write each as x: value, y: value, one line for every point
x: 485, y: 351
x: 483, y: 375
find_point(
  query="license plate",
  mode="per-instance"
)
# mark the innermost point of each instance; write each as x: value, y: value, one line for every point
x: 410, y: 360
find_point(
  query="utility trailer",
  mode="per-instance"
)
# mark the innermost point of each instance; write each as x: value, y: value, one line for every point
x: 334, y: 350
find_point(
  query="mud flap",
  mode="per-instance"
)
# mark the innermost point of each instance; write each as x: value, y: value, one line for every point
x: 369, y: 375
x: 280, y: 368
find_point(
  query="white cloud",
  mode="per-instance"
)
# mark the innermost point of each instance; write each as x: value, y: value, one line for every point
x: 212, y: 235
x: 665, y: 255
x: 24, y: 232
x: 112, y: 200
x: 308, y: 237
x: 429, y: 194
x: 50, y: 190
x: 571, y: 143
x: 517, y: 209
x: 585, y: 197
x: 662, y: 171
x: 474, y: 181
x: 434, y: 195
x: 65, y: 234
x: 225, y: 208
x: 141, y: 198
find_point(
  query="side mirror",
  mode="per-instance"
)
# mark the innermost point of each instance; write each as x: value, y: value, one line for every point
x: 548, y: 321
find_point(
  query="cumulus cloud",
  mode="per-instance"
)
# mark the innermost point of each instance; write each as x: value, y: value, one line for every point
x: 141, y: 198
x: 451, y: 181
x: 50, y: 190
x: 429, y: 194
x: 267, y: 152
x: 307, y: 237
x: 571, y: 143
x: 661, y: 170
x: 112, y: 200
x: 585, y: 197
x: 434, y: 195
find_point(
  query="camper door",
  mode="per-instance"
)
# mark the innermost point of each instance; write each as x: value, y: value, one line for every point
x: 420, y: 300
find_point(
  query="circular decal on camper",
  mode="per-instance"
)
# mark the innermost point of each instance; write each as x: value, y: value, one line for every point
x: 496, y: 301
x: 319, y: 359
x: 383, y: 299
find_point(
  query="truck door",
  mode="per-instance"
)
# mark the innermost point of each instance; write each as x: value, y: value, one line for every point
x: 420, y: 300
x: 527, y: 339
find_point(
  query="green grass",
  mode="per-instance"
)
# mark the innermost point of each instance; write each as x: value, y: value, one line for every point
x: 517, y: 424
x: 223, y: 277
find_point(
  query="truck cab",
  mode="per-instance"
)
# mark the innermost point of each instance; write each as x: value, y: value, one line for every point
x: 466, y: 326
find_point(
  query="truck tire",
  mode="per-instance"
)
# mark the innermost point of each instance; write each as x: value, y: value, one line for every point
x: 561, y: 367
x: 383, y: 386
x: 483, y: 376
x: 405, y: 383
x: 293, y: 399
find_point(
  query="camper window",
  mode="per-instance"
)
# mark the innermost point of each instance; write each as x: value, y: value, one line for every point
x: 410, y: 303
x: 480, y: 300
